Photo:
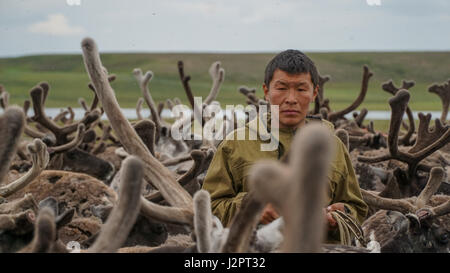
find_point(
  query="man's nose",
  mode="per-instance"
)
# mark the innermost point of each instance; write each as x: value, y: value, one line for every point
x: 291, y: 99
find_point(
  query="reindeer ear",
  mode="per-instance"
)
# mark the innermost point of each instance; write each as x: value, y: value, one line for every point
x: 50, y: 202
x: 64, y: 218
x: 398, y: 220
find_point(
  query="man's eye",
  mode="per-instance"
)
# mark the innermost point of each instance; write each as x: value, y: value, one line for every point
x: 301, y: 90
x: 281, y: 88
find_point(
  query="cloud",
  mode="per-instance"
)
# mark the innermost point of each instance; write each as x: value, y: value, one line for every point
x: 56, y: 25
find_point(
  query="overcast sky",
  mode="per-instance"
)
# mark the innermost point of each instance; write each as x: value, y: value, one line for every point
x: 58, y: 26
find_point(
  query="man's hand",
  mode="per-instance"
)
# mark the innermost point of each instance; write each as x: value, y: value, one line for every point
x: 332, y: 224
x: 269, y: 214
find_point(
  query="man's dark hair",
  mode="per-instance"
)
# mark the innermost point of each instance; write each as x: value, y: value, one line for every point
x: 293, y: 62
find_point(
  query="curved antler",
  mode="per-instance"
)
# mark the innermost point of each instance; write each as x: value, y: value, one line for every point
x: 364, y: 87
x: 11, y: 128
x: 299, y: 187
x: 123, y: 216
x: 410, y: 205
x: 154, y: 171
x: 203, y: 221
x: 39, y: 157
x: 243, y: 224
x: 217, y: 73
x: 318, y: 102
x: 443, y: 91
x: 144, y: 81
x: 390, y: 88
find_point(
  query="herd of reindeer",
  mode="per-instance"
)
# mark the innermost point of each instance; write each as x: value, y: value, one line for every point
x: 92, y: 185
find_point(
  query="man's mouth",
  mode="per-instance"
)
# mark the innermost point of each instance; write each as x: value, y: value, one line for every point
x: 290, y: 112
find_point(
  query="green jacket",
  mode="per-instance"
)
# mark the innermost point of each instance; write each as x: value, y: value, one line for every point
x: 227, y: 176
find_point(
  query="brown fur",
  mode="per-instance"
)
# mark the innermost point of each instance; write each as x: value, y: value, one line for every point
x: 383, y: 230
x: 79, y: 229
x: 73, y: 190
x: 110, y: 155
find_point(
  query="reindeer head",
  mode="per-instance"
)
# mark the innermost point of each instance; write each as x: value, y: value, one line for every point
x: 416, y: 223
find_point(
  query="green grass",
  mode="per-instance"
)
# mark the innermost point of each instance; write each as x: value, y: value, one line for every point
x: 68, y: 79
x: 383, y: 125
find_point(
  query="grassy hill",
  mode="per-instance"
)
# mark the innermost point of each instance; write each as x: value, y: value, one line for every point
x: 68, y: 79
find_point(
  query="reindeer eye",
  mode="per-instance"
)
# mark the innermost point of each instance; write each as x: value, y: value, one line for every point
x: 443, y: 238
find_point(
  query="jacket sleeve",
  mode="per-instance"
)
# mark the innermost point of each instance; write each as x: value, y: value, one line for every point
x: 225, y: 201
x: 347, y: 189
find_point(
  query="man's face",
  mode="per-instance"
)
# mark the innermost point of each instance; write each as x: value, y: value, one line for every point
x: 293, y: 93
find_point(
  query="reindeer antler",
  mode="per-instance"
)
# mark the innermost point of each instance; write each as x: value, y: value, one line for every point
x: 251, y: 97
x: 413, y: 204
x: 443, y: 91
x: 217, y: 74
x: 144, y: 81
x: 426, y: 144
x: 40, y: 159
x: 364, y: 87
x: 154, y: 171
x: 201, y: 163
x: 123, y: 216
x: 198, y: 157
x: 318, y: 102
x: 392, y: 89
x: 294, y: 188
x: 359, y: 118
x: 187, y: 88
x: 185, y: 81
x: 344, y: 137
x: 11, y: 128
x: 243, y: 224
x: 139, y: 108
x: 38, y: 95
x: 94, y: 104
x: 146, y: 130
x: 19, y: 204
x: 203, y: 221
x: 4, y: 99
x: 75, y: 142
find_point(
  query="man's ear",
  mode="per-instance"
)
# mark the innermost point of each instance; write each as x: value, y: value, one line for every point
x: 266, y: 91
x: 315, y: 92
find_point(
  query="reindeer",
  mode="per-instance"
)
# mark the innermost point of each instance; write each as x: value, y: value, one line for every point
x: 360, y: 136
x: 116, y: 229
x: 63, y: 150
x: 180, y: 210
x: 17, y: 216
x: 414, y: 224
x: 54, y: 207
x: 406, y: 183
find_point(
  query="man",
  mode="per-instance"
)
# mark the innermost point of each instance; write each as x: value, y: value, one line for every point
x: 291, y: 82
